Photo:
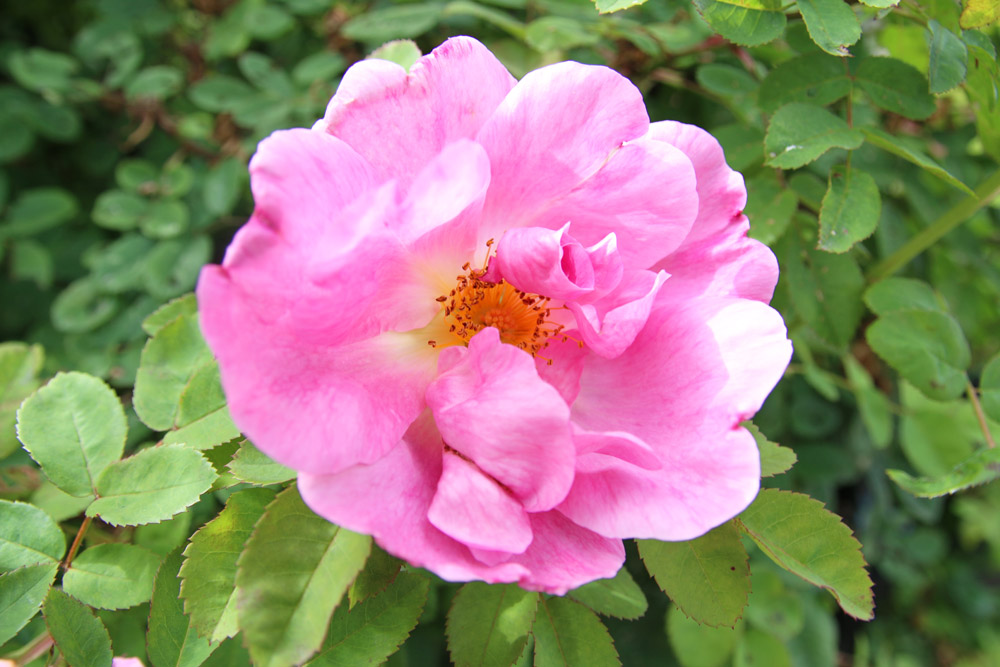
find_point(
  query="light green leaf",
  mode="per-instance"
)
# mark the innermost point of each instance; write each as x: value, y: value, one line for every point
x: 989, y: 386
x: 152, y: 485
x: 209, y: 570
x: 906, y: 150
x: 948, y: 63
x: 832, y: 24
x: 37, y: 210
x: 112, y: 576
x: 928, y: 348
x: 619, y: 596
x: 774, y: 459
x: 697, y: 645
x: 979, y: 13
x: 760, y: 648
x: 168, y: 312
x: 23, y: 591
x: 74, y: 427
x: 880, y: 4
x: 255, y: 467
x: 171, y: 640
x: 20, y: 365
x: 900, y: 294
x: 292, y: 575
x: 872, y: 403
x: 981, y: 468
x: 895, y: 86
x: 396, y: 22
x: 611, y: 6
x: 800, y: 535
x: 800, y: 133
x: 746, y: 22
x: 707, y: 577
x: 567, y: 634
x: 57, y: 503
x: 372, y: 631
x: 28, y: 536
x: 936, y: 436
x: 380, y: 570
x: 489, y: 625
x: 815, y: 78
x: 850, y: 210
x: 80, y: 635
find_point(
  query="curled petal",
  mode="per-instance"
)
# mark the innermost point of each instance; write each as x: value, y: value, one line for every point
x: 609, y: 325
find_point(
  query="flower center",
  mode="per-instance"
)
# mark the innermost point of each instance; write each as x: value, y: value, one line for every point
x: 522, y: 319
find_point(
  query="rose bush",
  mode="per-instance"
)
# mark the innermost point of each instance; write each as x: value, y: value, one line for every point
x: 499, y: 325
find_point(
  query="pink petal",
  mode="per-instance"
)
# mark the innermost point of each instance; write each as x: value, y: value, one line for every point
x: 568, y: 358
x: 490, y: 404
x: 473, y: 509
x: 554, y: 131
x: 619, y: 445
x: 400, y: 121
x: 610, y: 325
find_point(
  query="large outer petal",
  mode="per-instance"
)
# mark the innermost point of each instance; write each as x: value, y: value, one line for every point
x: 400, y: 121
x: 696, y: 370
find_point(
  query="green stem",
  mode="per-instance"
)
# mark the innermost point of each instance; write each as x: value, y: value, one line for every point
x: 980, y: 416
x: 987, y: 191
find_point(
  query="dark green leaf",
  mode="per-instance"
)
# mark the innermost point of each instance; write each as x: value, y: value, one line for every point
x: 112, y: 576
x: 707, y: 577
x: 218, y: 93
x: 74, y: 427
x: 489, y: 625
x: 981, y: 468
x: 267, y: 22
x: 81, y: 637
x: 253, y: 466
x: 742, y: 145
x: 23, y: 591
x: 910, y: 153
x: 292, y: 575
x: 947, y: 66
x: 380, y: 570
x: 774, y: 459
x: 872, y: 403
x: 374, y: 629
x: 157, y: 82
x: 770, y: 207
x: 165, y: 219
x: 800, y: 535
x: 209, y: 570
x: 396, y: 22
x: 815, y: 78
x: 726, y: 80
x: 151, y: 486
x: 28, y: 536
x: 42, y: 70
x: 119, y: 210
x: 799, y: 133
x: 82, y: 307
x: 831, y: 24
x: 567, y: 634
x: 895, y: 86
x: 223, y: 186
x: 172, y: 641
x: 989, y: 385
x: 619, y: 596
x: 850, y: 210
x: 760, y: 648
x: 746, y: 22
x: 38, y: 209
x: 324, y: 66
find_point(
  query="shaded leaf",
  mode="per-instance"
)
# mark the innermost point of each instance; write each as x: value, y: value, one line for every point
x: 112, y: 576
x: 910, y: 153
x: 619, y: 596
x: 255, y: 467
x: 815, y: 78
x: 897, y: 294
x: 850, y: 210
x: 489, y: 624
x: 23, y: 590
x: 895, y: 86
x: 27, y: 536
x: 567, y: 633
x: 707, y: 577
x: 872, y: 403
x: 746, y: 22
x: 171, y: 640
x: 697, y: 645
x: 81, y: 637
x: 397, y: 22
x: 803, y: 537
x: 832, y: 24
x: 799, y: 133
x: 989, y: 386
x: 981, y: 468
x: 380, y: 570
x: 948, y: 59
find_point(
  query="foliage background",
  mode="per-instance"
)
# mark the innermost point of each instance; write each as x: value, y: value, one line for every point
x: 126, y: 126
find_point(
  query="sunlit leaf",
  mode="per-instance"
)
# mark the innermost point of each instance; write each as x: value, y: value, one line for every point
x: 489, y: 625
x: 832, y: 24
x: 799, y: 133
x: 112, y: 576
x: 850, y: 210
x: 28, y: 536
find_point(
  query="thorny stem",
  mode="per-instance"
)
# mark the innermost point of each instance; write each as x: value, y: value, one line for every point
x: 77, y: 541
x: 987, y: 191
x: 980, y: 416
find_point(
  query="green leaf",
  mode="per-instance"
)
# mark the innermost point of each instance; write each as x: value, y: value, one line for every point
x: 900, y: 147
x: 380, y: 570
x: 20, y: 364
x: 82, y: 307
x: 112, y: 576
x: 37, y: 210
x: 936, y: 436
x: 981, y: 468
x: 809, y: 273
x: 23, y: 590
x: 267, y: 22
x: 220, y: 93
x: 119, y: 210
x: 292, y: 575
x: 42, y: 70
x: 832, y: 24
x: 619, y: 596
x: 899, y: 294
x: 707, y: 577
x: 162, y: 538
x: 223, y: 186
x: 948, y: 63
x: 253, y: 466
x: 558, y: 33
x: 800, y: 133
x: 397, y: 22
x: 800, y: 535
x: 774, y: 459
x: 157, y: 83
x: 872, y: 403
x: 265, y: 74
x: 152, y: 485
x: 989, y: 386
x: 725, y: 80
x: 567, y: 634
x: 760, y: 648
x: 815, y: 78
x: 611, y: 6
x: 136, y: 175
x: 178, y: 385
x: 697, y: 645
x: 489, y: 625
x: 979, y: 13
x: 746, y: 22
x: 74, y: 427
x: 168, y: 312
x: 770, y: 207
x: 57, y: 503
x: 27, y: 536
x: 324, y: 66
x: 895, y: 86
x: 81, y: 637
x: 171, y: 640
x: 742, y: 145
x: 927, y: 348
x: 372, y: 631
x: 209, y: 570
x: 165, y: 219
x: 850, y: 210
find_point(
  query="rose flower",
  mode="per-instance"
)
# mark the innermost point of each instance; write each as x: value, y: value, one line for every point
x: 499, y: 325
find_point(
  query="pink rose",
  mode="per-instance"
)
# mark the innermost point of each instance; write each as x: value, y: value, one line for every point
x: 499, y: 325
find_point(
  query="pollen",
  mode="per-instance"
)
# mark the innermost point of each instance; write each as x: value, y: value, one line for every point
x: 523, y: 320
